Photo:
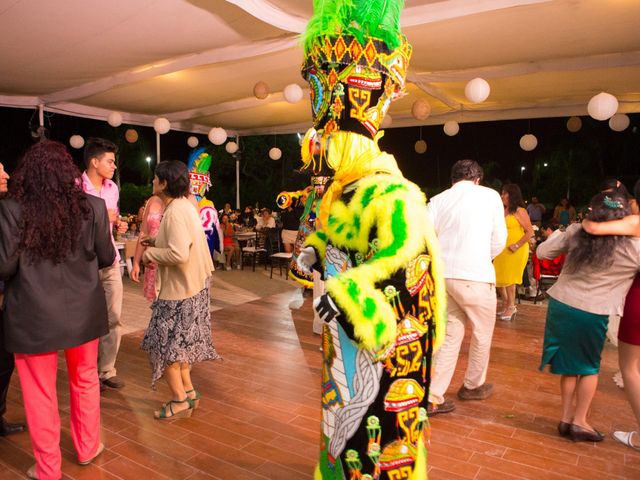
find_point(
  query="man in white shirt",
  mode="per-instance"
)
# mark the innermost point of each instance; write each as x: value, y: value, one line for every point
x: 469, y: 221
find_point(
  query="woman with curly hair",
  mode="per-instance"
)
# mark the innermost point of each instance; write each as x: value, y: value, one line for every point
x: 593, y: 284
x: 53, y: 240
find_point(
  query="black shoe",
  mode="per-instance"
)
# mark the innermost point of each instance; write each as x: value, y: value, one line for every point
x: 7, y: 428
x: 563, y: 429
x: 434, y: 409
x: 580, y: 434
x: 111, y: 382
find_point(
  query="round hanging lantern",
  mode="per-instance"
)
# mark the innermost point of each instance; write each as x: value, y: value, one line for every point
x: 114, y: 119
x: 528, y: 142
x: 231, y: 147
x: 131, y: 135
x: 574, y: 124
x: 386, y: 121
x: 603, y: 106
x: 293, y: 93
x: 420, y: 146
x: 192, y: 141
x: 217, y: 135
x: 451, y: 128
x: 161, y: 125
x: 421, y: 109
x: 275, y: 153
x: 619, y: 122
x: 76, y: 141
x: 477, y: 90
x: 261, y: 90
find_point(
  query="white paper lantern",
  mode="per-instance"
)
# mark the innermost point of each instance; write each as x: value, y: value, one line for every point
x: 275, y: 153
x: 131, y: 135
x: 420, y: 146
x: 619, y: 122
x: 386, y: 121
x: 76, y: 141
x: 451, y: 128
x: 261, y: 90
x: 217, y: 135
x: 528, y: 142
x: 574, y: 124
x: 293, y: 93
x: 231, y: 147
x: 421, y: 109
x: 602, y: 106
x: 192, y: 141
x: 477, y: 90
x: 161, y: 125
x: 114, y: 119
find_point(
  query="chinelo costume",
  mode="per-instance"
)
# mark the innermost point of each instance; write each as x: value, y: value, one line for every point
x: 200, y: 181
x: 384, y: 306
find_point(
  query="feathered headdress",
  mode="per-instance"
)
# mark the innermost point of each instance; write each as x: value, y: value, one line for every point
x: 356, y: 61
x: 198, y: 164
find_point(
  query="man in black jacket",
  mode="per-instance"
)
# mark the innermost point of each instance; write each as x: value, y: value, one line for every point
x: 6, y: 358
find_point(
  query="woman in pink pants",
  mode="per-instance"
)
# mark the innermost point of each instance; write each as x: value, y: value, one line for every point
x: 53, y: 240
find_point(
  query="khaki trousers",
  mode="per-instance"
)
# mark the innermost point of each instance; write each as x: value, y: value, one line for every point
x: 475, y: 303
x: 110, y: 343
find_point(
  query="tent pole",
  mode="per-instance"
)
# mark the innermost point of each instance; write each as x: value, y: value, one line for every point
x: 237, y: 183
x: 157, y: 148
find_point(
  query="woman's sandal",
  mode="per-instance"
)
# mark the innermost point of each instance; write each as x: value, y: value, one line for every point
x: 166, y: 411
x: 195, y: 398
x: 509, y: 314
x: 625, y: 438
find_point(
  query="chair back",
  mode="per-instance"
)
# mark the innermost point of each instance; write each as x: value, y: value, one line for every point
x: 274, y: 241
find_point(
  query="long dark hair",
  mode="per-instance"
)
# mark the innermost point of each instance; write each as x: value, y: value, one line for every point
x: 47, y: 187
x: 596, y: 251
x: 515, y: 197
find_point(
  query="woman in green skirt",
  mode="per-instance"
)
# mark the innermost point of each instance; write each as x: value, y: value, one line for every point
x: 593, y: 284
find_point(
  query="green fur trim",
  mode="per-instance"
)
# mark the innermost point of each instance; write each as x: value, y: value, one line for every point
x: 317, y: 240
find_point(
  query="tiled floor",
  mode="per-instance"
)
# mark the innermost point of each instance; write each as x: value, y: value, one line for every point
x: 259, y: 416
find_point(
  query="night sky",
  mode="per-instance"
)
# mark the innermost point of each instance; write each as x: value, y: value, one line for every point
x: 576, y: 162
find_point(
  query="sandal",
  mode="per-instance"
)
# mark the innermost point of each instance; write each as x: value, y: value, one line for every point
x: 625, y: 439
x: 166, y: 411
x: 196, y: 397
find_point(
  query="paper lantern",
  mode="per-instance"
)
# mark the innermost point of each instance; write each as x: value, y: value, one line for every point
x: 231, y: 147
x: 619, y: 122
x: 261, y: 90
x: 293, y: 93
x: 477, y: 90
x: 275, y: 153
x: 421, y: 146
x: 386, y: 121
x: 114, y: 119
x: 217, y: 135
x: 76, y: 141
x: 192, y: 141
x: 161, y: 125
x: 528, y: 142
x: 421, y: 109
x: 131, y: 135
x: 451, y: 128
x: 603, y: 106
x: 574, y: 124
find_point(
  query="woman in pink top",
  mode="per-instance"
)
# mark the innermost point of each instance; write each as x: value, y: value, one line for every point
x: 153, y: 211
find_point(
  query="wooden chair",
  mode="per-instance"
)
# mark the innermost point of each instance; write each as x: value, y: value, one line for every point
x: 276, y: 255
x: 254, y: 249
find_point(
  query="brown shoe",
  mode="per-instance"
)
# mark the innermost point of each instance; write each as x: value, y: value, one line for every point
x: 437, y: 408
x: 580, y: 434
x: 480, y: 393
x: 112, y: 382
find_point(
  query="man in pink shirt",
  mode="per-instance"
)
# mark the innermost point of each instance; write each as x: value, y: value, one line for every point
x: 100, y: 161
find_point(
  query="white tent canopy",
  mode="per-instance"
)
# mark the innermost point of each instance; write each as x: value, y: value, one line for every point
x: 196, y: 62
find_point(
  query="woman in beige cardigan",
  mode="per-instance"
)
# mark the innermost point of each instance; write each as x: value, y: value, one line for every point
x: 179, y: 333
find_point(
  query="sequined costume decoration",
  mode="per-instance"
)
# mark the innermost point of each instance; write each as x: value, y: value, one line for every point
x: 200, y: 181
x: 375, y: 249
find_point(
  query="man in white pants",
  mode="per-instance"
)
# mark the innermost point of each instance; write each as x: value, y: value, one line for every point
x: 100, y: 161
x: 469, y: 221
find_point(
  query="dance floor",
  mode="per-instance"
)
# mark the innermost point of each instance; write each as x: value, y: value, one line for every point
x: 259, y: 414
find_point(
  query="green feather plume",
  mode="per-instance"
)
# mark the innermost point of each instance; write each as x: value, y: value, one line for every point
x: 361, y: 18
